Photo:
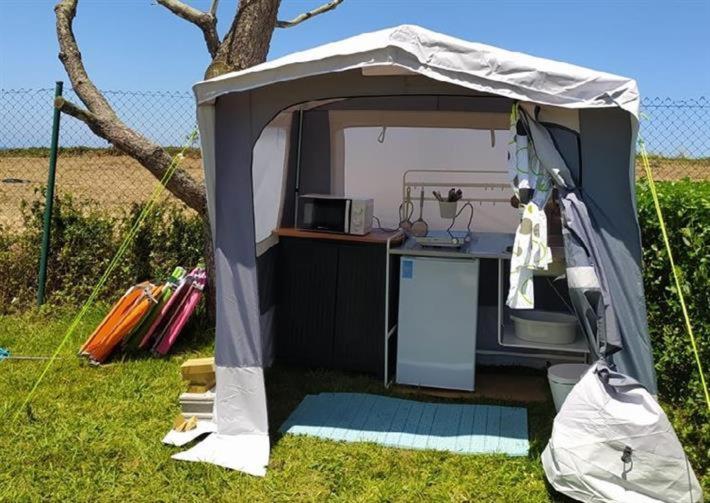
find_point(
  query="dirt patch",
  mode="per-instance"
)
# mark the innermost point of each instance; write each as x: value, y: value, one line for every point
x: 668, y: 169
x: 112, y: 182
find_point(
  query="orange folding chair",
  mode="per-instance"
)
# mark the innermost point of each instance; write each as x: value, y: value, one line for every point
x: 126, y: 314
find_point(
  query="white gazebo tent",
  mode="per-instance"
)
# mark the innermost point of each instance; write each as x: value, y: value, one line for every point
x: 583, y: 124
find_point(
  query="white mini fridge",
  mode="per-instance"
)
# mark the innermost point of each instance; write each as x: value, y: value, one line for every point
x: 436, y: 328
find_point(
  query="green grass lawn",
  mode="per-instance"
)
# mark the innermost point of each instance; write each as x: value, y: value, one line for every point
x: 94, y: 434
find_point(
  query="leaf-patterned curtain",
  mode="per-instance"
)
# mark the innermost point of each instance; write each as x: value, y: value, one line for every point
x: 532, y: 186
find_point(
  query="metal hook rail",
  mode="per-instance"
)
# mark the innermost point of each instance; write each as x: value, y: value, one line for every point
x: 447, y: 182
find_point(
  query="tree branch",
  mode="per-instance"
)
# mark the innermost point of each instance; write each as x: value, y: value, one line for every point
x: 205, y: 21
x: 70, y: 56
x: 307, y: 15
x: 75, y: 111
x: 103, y: 121
x: 213, y: 8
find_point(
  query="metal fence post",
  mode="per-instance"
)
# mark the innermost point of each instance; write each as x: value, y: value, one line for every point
x: 49, y: 201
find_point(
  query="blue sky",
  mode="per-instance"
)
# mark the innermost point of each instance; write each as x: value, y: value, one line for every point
x: 137, y: 45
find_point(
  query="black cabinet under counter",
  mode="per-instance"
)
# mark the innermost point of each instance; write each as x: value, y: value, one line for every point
x: 332, y: 297
x: 307, y: 275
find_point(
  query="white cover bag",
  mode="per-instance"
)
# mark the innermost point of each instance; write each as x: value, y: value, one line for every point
x: 611, y: 441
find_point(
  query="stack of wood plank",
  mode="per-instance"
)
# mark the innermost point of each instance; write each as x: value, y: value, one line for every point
x: 199, y: 374
x: 197, y: 405
x: 198, y: 401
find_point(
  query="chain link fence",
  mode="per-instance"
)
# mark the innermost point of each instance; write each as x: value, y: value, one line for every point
x: 677, y: 137
x: 676, y: 131
x: 88, y: 169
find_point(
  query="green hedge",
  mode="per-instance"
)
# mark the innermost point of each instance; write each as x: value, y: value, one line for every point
x: 686, y: 211
x: 84, y: 239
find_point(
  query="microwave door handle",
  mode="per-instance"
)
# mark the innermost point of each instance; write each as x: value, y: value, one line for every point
x: 347, y: 216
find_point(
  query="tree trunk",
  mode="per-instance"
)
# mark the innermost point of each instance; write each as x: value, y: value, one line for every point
x: 248, y: 39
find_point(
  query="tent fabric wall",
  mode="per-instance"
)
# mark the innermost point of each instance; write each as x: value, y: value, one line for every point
x: 206, y: 121
x: 267, y: 269
x: 234, y: 240
x: 314, y: 174
x: 240, y: 414
x: 567, y: 143
x: 607, y: 139
x: 288, y: 205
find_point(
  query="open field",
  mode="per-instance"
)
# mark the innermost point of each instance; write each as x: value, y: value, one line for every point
x: 114, y: 182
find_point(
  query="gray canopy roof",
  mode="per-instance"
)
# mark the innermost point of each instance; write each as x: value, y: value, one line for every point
x: 413, y: 49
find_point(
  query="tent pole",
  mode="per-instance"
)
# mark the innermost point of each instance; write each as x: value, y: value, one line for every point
x: 298, y: 167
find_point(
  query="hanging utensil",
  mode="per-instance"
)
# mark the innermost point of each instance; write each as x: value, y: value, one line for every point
x: 454, y: 195
x: 406, y: 210
x: 420, y: 227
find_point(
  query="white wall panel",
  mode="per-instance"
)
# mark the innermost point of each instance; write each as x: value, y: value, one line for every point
x: 375, y: 169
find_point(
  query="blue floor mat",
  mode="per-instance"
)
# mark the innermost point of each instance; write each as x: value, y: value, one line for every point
x: 462, y: 428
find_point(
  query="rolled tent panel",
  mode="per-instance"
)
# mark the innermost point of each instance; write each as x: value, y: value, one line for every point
x: 612, y: 442
x: 586, y: 274
x: 269, y: 175
x: 586, y: 279
x: 608, y: 189
x: 268, y: 172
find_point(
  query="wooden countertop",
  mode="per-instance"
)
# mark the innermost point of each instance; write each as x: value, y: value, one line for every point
x: 376, y: 236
